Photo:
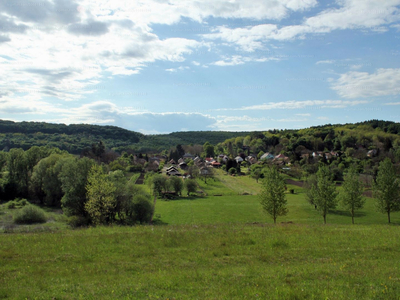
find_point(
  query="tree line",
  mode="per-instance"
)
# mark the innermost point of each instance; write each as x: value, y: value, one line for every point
x: 322, y: 194
x: 86, y: 190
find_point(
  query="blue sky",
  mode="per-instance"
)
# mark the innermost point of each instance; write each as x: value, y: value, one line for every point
x: 160, y: 66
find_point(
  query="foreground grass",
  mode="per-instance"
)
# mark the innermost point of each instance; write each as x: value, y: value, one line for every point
x: 203, y: 262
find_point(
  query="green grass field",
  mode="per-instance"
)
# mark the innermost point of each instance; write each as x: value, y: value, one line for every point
x: 234, y: 207
x: 228, y: 261
x: 213, y: 247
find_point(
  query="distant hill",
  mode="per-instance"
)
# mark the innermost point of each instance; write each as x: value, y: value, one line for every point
x: 76, y: 137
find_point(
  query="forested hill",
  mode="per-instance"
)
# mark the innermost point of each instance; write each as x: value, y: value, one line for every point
x: 76, y: 137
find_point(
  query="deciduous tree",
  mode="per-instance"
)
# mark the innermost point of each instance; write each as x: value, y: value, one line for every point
x: 386, y: 188
x: 351, y: 193
x: 324, y: 192
x: 272, y: 196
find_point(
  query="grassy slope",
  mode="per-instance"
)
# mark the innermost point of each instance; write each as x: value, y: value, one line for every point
x: 203, y: 262
x: 234, y: 207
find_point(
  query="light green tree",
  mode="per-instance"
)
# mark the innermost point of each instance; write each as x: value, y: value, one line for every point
x: 272, y: 195
x: 386, y: 188
x: 177, y: 184
x: 324, y: 192
x: 101, y: 197
x: 351, y: 193
x: 190, y: 186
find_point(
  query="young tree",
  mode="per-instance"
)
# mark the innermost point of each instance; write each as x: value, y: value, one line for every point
x: 177, y: 184
x: 159, y: 184
x: 256, y: 172
x: 272, y: 196
x: 191, y: 186
x: 101, y: 202
x: 351, y: 193
x: 324, y: 193
x: 386, y: 188
x: 310, y: 185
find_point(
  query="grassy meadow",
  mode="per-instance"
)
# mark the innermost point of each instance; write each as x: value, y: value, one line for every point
x: 237, y: 202
x: 218, y: 245
x: 227, y: 261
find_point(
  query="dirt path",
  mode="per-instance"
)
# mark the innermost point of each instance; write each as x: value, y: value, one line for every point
x: 140, y: 180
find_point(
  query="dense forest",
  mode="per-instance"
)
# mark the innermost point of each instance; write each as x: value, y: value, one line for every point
x: 75, y: 138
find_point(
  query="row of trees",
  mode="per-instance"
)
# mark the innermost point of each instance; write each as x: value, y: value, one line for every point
x: 86, y: 191
x: 321, y: 191
x: 160, y: 184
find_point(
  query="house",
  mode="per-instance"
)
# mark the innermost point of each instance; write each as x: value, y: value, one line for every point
x: 334, y: 154
x: 188, y: 155
x: 318, y: 154
x: 238, y: 159
x: 172, y: 171
x: 172, y: 162
x: 209, y: 160
x: 183, y: 166
x: 204, y: 171
x: 152, y: 166
x: 181, y: 160
x: 267, y: 156
x: 372, y: 153
x: 197, y: 160
x: 216, y: 164
x: 251, y: 159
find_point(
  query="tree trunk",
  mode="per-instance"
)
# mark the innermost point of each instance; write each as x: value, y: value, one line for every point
x: 388, y: 216
x: 274, y: 220
x: 352, y: 216
x: 324, y: 219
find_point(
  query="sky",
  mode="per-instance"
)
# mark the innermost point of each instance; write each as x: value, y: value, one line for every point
x: 160, y: 66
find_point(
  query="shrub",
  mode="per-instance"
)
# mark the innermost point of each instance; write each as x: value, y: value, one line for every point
x: 139, y: 209
x: 30, y: 214
x: 11, y: 205
x: 77, y: 221
x: 232, y: 171
x: 21, y: 202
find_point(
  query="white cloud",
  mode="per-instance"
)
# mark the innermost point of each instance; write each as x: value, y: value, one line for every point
x: 239, y: 60
x: 173, y: 70
x: 352, y: 14
x: 301, y: 104
x: 354, y: 84
x: 325, y: 62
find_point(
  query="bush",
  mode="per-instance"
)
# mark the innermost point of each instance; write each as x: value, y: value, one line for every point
x: 139, y: 210
x: 11, y: 205
x: 77, y: 221
x: 232, y: 171
x: 30, y: 214
x: 21, y: 202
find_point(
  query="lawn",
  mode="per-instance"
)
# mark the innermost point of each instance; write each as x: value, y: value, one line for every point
x: 227, y: 261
